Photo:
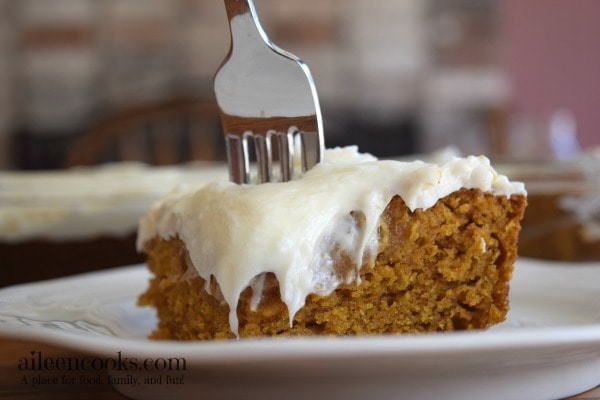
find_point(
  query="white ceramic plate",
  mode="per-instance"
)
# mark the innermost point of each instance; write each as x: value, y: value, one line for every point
x: 548, y: 348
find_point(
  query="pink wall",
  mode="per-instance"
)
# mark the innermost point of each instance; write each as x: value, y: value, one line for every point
x: 553, y: 58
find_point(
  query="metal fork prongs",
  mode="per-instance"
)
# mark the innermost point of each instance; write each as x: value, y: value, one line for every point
x: 269, y: 106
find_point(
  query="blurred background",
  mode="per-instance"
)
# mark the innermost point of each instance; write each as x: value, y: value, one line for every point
x: 85, y: 82
x: 507, y: 78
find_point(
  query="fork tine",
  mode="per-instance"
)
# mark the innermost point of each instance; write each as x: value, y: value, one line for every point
x: 310, y: 150
x: 262, y: 148
x: 238, y: 158
x: 285, y: 143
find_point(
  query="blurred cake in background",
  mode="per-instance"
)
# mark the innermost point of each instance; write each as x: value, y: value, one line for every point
x: 62, y: 222
x: 562, y: 220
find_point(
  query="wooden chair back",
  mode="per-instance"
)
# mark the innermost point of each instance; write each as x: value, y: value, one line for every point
x: 168, y: 132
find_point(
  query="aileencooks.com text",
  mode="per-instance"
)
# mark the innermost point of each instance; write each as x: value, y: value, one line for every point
x: 38, y: 362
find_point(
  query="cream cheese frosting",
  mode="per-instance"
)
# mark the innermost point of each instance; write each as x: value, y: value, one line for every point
x: 236, y: 233
x: 87, y: 202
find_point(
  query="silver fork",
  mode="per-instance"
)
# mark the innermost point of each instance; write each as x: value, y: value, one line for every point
x: 265, y: 94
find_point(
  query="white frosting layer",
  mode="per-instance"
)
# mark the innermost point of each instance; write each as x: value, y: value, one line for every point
x: 237, y: 232
x: 83, y: 203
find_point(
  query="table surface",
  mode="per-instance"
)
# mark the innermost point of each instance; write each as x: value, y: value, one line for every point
x: 12, y: 385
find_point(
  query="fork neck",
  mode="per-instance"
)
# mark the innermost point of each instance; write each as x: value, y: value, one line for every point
x: 238, y: 7
x: 252, y: 27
